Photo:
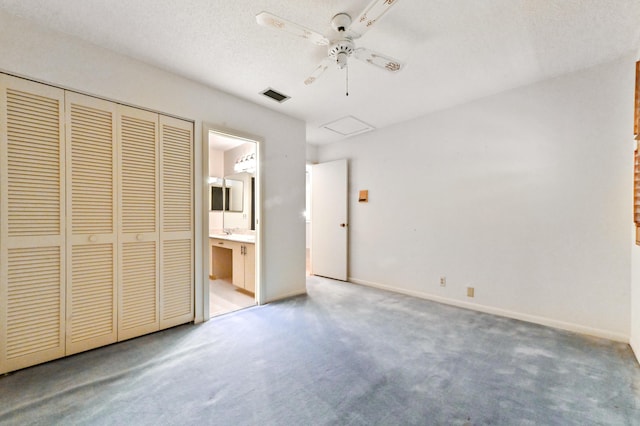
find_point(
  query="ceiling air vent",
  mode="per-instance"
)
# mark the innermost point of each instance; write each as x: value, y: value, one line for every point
x: 276, y: 96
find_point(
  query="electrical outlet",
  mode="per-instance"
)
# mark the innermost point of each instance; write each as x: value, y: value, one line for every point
x: 443, y: 281
x: 470, y: 291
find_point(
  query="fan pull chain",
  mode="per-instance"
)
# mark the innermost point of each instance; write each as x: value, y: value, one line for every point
x: 347, y: 82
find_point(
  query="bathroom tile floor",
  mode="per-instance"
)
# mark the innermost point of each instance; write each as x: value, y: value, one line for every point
x: 224, y: 297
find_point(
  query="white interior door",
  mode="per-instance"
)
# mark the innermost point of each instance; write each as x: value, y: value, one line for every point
x: 329, y: 219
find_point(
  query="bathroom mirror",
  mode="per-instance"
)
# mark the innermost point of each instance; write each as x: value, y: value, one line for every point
x: 216, y: 198
x: 240, y: 205
x: 216, y: 194
x: 233, y: 194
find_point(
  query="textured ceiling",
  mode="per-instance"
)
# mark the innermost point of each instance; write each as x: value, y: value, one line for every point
x: 454, y: 51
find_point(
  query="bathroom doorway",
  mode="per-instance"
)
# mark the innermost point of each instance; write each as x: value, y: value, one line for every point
x: 233, y: 222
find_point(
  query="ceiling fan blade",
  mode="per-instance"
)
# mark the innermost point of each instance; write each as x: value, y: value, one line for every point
x: 370, y: 16
x: 378, y: 59
x: 317, y: 72
x: 268, y: 20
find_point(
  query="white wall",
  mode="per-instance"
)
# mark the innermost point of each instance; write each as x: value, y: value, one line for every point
x: 312, y: 153
x: 29, y: 50
x: 525, y: 196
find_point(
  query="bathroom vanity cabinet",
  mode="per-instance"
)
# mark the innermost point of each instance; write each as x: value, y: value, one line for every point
x: 234, y: 257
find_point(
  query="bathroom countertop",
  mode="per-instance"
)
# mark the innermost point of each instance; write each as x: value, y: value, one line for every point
x: 242, y: 238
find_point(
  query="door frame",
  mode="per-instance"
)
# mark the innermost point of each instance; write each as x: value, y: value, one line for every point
x: 204, y: 210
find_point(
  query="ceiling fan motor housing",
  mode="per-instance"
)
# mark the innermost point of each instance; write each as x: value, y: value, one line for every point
x: 341, y: 50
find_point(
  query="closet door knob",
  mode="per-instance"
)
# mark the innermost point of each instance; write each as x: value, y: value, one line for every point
x: 139, y: 237
x: 93, y: 238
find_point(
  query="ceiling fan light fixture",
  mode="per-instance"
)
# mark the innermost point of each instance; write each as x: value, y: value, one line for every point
x: 341, y: 60
x: 340, y: 51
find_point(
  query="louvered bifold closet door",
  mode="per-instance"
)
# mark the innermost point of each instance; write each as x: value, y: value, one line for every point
x: 139, y: 213
x: 176, y: 222
x: 91, y: 222
x: 32, y: 234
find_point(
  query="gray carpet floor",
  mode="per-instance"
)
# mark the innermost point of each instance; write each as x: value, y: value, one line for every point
x: 343, y: 355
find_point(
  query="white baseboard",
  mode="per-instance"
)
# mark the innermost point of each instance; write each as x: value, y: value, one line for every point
x: 286, y: 296
x: 635, y: 347
x: 577, y: 328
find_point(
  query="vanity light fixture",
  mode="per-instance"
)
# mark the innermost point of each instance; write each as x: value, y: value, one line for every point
x: 246, y: 163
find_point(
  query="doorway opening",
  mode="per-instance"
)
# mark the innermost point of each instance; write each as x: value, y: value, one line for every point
x: 233, y: 221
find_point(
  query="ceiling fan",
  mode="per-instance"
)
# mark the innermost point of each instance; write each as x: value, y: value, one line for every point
x: 342, y: 47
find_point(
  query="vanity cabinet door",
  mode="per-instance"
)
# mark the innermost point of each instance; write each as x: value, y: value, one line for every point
x: 238, y: 264
x: 250, y: 268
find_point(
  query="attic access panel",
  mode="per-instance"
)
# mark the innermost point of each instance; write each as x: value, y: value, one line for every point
x: 348, y: 126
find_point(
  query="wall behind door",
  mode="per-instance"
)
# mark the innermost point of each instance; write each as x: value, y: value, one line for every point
x: 525, y: 195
